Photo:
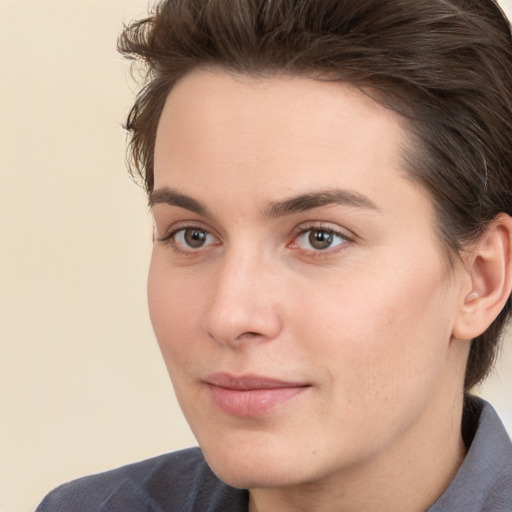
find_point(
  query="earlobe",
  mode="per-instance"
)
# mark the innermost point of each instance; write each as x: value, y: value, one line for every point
x: 490, y: 272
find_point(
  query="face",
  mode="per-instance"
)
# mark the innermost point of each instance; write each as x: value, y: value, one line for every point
x: 297, y: 289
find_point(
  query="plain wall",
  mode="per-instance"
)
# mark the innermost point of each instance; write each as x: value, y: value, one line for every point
x: 82, y: 384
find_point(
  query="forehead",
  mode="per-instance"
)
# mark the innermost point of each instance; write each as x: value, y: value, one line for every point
x: 266, y: 138
x: 261, y: 107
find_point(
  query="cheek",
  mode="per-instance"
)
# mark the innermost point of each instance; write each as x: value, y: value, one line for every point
x: 175, y: 309
x: 381, y: 335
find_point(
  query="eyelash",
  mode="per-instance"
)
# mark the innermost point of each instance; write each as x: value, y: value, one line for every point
x: 298, y: 232
x: 302, y: 231
x: 178, y: 248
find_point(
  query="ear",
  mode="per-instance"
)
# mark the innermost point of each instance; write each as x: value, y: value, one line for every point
x: 489, y: 268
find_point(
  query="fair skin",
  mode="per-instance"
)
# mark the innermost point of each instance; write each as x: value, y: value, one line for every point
x: 316, y: 344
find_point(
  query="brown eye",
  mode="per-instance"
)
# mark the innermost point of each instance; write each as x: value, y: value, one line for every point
x: 191, y: 238
x: 320, y: 239
x: 195, y: 238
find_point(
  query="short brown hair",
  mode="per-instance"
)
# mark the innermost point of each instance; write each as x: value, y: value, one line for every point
x: 445, y: 65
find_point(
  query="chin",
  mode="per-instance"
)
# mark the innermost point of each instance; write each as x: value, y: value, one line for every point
x: 242, y: 477
x: 259, y: 467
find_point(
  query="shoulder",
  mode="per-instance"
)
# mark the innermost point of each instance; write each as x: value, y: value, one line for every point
x: 494, y: 453
x: 484, y: 481
x: 178, y: 481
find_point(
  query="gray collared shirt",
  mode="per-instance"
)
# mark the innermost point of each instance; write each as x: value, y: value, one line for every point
x: 183, y: 482
x: 484, y: 481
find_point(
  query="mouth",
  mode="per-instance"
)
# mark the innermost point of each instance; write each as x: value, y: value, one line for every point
x: 250, y: 395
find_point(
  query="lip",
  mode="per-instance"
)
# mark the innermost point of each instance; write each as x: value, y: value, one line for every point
x: 250, y: 395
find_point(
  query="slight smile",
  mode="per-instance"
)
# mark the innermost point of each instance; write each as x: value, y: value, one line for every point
x: 250, y: 395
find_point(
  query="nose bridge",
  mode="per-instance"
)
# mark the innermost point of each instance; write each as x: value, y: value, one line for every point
x: 243, y: 303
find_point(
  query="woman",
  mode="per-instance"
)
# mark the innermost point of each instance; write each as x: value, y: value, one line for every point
x: 332, y: 266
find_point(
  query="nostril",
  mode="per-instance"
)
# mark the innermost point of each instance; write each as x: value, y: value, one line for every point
x: 245, y: 336
x: 235, y: 320
x: 250, y: 335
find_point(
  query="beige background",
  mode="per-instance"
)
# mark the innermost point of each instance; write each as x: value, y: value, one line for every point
x: 82, y: 385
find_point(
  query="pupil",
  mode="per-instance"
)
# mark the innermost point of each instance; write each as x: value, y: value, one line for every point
x: 320, y: 239
x: 195, y: 237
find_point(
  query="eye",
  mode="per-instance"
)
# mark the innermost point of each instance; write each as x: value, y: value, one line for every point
x: 320, y: 239
x: 191, y: 238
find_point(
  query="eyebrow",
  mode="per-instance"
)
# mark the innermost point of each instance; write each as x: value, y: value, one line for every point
x: 296, y: 204
x: 171, y: 197
x: 309, y: 201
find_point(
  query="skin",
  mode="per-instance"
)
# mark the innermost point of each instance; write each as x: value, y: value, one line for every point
x: 366, y: 324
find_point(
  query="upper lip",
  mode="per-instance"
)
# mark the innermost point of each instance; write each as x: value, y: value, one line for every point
x: 249, y: 382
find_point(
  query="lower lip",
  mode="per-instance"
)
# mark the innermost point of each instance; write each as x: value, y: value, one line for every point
x: 253, y: 402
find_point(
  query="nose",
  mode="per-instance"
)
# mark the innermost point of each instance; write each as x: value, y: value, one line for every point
x: 244, y: 306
